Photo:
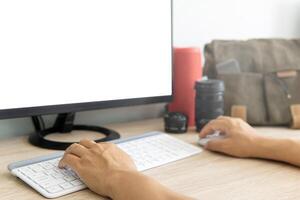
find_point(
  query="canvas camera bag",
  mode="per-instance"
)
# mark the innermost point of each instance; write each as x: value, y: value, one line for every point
x: 265, y: 90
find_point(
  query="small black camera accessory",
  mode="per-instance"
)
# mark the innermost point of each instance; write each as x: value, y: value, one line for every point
x: 176, y: 122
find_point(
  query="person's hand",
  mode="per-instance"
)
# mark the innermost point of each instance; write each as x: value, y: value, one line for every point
x: 240, y: 138
x: 97, y: 164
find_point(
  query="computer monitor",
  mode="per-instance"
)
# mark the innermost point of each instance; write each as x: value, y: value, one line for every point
x: 66, y: 56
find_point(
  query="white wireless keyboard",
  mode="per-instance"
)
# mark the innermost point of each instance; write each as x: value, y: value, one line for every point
x: 148, y: 151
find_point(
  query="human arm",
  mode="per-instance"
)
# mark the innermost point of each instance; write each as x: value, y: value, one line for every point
x: 241, y: 140
x: 110, y: 172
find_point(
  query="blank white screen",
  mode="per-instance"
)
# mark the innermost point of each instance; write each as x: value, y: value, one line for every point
x: 74, y: 51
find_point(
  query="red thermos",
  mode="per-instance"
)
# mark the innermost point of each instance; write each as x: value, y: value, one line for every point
x: 187, y: 69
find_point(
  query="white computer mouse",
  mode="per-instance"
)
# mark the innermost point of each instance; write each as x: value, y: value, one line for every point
x: 203, y: 141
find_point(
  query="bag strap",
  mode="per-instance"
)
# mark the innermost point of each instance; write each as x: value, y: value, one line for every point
x: 239, y: 111
x: 295, y: 111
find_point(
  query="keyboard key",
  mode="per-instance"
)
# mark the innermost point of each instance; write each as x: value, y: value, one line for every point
x: 27, y: 171
x: 42, y: 179
x: 59, y: 181
x: 47, y: 166
x: 77, y: 183
x: 57, y: 175
x: 47, y: 183
x: 54, y: 162
x: 69, y: 178
x: 54, y: 189
x: 66, y: 185
x: 36, y: 168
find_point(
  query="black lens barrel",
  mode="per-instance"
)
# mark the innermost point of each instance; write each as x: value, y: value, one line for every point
x: 209, y: 101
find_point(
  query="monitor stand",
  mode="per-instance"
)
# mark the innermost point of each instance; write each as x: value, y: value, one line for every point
x: 64, y: 124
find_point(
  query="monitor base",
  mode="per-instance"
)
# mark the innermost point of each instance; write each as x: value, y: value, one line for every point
x: 64, y: 124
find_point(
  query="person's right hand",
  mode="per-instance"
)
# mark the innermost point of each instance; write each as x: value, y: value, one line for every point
x: 240, y: 138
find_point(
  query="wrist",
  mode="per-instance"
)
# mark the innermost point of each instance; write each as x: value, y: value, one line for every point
x: 134, y: 185
x: 252, y: 146
x: 116, y: 181
x: 270, y: 148
x: 260, y: 147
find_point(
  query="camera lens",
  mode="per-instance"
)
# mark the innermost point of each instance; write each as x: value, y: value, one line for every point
x: 209, y: 101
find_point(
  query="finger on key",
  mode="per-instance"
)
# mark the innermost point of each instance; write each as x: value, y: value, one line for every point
x: 69, y: 160
x: 77, y: 150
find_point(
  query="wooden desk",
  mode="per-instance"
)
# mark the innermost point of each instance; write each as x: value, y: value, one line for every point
x: 207, y: 176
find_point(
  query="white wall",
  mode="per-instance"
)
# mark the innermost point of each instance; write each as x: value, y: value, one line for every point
x: 196, y: 22
x: 199, y: 21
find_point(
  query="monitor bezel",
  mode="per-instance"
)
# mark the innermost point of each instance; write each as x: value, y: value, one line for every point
x: 88, y: 106
x: 79, y: 107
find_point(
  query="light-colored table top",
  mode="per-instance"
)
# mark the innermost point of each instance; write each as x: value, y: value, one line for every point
x: 208, y: 176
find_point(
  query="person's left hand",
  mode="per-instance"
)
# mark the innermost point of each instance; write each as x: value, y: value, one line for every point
x: 97, y: 164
